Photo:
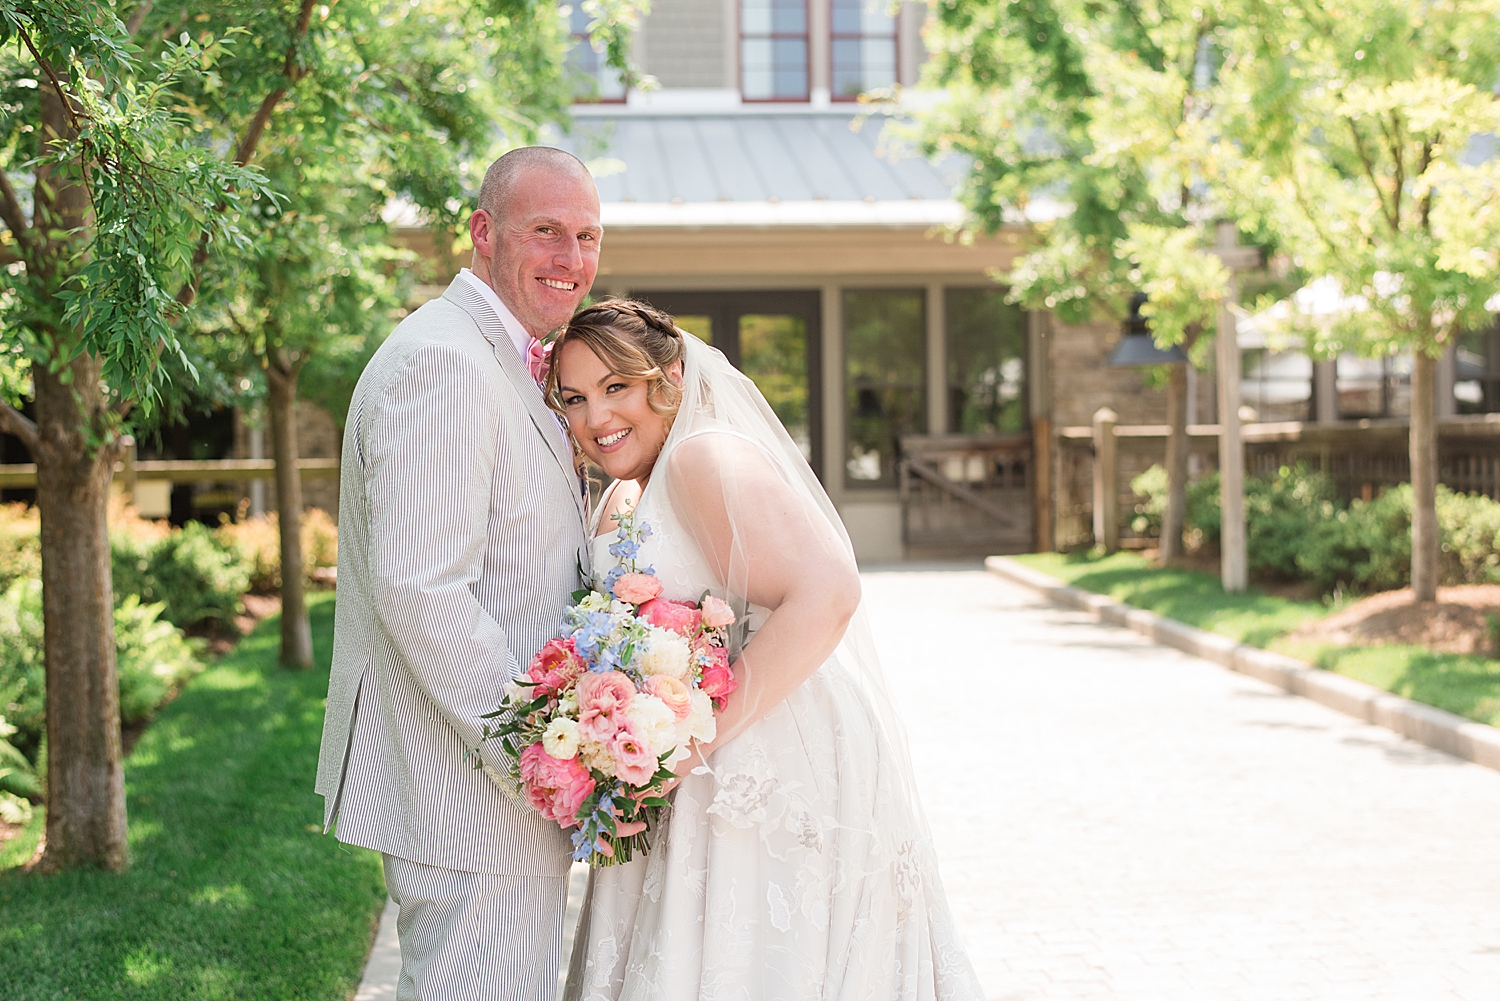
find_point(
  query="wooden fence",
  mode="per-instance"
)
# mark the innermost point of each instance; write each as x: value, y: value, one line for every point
x: 1361, y: 457
x: 128, y: 471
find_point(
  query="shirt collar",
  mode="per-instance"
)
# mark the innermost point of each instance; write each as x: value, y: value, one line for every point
x: 518, y: 334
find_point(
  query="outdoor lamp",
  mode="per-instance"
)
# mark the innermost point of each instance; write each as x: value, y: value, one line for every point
x: 1137, y: 346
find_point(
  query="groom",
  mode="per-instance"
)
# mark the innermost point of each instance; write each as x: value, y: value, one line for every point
x: 461, y: 530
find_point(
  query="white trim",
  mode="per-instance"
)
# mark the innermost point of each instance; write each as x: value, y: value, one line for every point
x: 700, y: 215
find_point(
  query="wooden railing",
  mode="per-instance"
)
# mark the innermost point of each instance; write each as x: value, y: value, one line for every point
x: 1361, y: 457
x: 127, y: 472
x: 967, y: 492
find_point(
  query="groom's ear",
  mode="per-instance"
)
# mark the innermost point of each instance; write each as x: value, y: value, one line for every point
x: 481, y: 231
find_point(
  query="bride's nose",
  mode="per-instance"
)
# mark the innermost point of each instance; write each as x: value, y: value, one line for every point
x: 597, y: 413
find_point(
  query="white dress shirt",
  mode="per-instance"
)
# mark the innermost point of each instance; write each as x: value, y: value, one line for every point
x: 518, y: 334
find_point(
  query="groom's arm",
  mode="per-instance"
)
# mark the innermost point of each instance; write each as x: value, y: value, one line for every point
x: 429, y: 459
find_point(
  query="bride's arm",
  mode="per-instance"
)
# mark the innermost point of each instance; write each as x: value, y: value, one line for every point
x: 768, y: 541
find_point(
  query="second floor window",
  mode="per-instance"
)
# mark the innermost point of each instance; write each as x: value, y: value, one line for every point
x: 592, y: 78
x: 773, y: 50
x: 864, y: 48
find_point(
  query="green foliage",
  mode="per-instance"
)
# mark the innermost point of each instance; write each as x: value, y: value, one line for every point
x: 258, y: 543
x: 233, y: 891
x: 20, y: 543
x: 197, y: 578
x: 17, y: 774
x: 154, y: 659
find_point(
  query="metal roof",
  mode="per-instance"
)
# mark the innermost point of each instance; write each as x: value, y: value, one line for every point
x: 757, y: 169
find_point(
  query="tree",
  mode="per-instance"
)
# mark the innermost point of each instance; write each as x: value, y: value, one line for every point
x: 124, y: 195
x: 1359, y: 123
x: 1106, y: 110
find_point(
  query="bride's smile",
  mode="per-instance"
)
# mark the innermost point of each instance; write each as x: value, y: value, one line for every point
x: 611, y: 416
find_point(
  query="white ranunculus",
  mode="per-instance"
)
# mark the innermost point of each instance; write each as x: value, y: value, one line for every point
x: 664, y: 652
x: 561, y: 738
x: 701, y: 724
x: 654, y: 723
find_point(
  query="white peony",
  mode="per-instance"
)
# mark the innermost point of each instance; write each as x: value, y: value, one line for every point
x: 596, y: 756
x: 567, y: 703
x: 701, y: 724
x: 664, y: 652
x: 654, y: 723
x: 561, y: 738
x: 518, y: 696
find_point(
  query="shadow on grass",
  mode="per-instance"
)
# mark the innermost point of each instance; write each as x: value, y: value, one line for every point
x: 232, y: 891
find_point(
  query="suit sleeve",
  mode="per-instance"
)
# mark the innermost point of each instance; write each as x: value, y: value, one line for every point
x: 430, y: 458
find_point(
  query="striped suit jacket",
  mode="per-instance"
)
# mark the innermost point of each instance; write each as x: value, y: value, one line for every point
x: 461, y: 534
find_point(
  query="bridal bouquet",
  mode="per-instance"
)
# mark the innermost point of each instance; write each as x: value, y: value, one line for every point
x: 604, y: 713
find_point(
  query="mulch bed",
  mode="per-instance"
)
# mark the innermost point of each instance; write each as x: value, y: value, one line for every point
x: 1458, y: 622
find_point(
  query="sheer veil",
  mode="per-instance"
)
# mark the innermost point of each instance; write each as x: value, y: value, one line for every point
x: 736, y: 438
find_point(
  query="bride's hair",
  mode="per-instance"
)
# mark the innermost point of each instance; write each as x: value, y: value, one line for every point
x: 636, y: 340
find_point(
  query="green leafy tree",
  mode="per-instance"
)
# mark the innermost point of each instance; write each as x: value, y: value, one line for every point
x: 108, y: 194
x: 1098, y: 120
x: 1362, y: 124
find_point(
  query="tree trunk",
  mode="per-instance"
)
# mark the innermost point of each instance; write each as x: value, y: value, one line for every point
x: 1424, y: 527
x: 296, y: 630
x: 1177, y: 462
x: 85, y: 768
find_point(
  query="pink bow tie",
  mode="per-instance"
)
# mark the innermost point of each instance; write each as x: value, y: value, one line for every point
x: 538, y: 360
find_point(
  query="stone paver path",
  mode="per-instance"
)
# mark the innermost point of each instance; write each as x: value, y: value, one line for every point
x: 1119, y: 820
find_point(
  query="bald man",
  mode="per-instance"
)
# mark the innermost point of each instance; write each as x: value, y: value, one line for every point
x: 461, y: 531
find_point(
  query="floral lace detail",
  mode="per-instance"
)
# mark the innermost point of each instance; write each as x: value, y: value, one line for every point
x: 744, y: 794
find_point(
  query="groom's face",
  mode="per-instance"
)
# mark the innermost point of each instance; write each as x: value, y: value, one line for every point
x: 544, y: 247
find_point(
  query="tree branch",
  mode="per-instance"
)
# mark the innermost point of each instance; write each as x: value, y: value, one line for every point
x: 291, y: 72
x: 1427, y: 196
x: 1364, y: 158
x: 12, y: 421
x: 12, y: 214
x: 138, y: 17
x: 62, y: 94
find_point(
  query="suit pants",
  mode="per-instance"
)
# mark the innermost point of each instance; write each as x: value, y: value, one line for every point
x: 473, y: 936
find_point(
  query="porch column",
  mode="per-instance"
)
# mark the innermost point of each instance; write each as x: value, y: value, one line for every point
x: 833, y: 390
x: 937, y: 361
x: 1446, y: 405
x: 1326, y: 391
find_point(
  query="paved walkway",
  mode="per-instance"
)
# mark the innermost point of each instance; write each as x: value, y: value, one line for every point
x: 1142, y: 824
x: 1118, y: 820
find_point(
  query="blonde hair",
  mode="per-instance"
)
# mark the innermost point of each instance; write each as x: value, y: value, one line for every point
x: 636, y: 340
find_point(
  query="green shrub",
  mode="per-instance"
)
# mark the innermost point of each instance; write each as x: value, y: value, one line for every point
x: 17, y: 774
x: 20, y: 543
x: 154, y: 659
x: 1281, y: 511
x: 1150, y: 489
x: 1364, y: 547
x: 258, y: 541
x: 197, y: 578
x: 1470, y: 525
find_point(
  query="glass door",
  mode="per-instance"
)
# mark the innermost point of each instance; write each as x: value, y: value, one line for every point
x: 771, y: 336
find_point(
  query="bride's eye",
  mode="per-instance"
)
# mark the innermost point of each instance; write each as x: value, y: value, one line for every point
x: 615, y: 387
x: 571, y: 401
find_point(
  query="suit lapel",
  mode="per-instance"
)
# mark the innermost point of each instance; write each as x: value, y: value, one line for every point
x: 470, y: 301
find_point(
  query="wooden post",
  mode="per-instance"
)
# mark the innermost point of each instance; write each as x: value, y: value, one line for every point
x: 1106, y: 485
x: 127, y: 470
x: 1043, y: 517
x: 1235, y: 566
x: 1326, y: 391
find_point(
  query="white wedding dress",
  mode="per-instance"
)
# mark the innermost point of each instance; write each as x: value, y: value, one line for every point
x: 795, y: 866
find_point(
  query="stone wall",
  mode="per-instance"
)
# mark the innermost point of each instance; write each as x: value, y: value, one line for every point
x: 1083, y: 380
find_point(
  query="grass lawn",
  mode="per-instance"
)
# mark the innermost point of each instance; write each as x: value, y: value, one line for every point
x: 232, y: 892
x: 1460, y: 683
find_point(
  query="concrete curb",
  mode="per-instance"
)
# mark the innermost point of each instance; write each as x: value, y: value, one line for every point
x: 1436, y: 728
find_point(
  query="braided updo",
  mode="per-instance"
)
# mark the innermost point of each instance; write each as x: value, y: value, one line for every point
x: 636, y: 340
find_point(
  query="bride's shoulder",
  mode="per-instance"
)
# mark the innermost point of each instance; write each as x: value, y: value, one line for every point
x: 714, y: 451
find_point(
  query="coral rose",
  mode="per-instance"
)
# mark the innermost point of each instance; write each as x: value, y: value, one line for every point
x: 634, y: 762
x: 673, y: 694
x: 716, y: 613
x: 718, y: 680
x: 555, y: 788
x: 555, y: 667
x: 637, y: 588
x: 602, y: 701
x: 679, y: 616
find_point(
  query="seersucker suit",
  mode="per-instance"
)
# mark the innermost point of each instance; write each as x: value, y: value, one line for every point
x: 461, y: 534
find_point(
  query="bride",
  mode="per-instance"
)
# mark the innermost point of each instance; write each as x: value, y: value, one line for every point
x: 794, y: 861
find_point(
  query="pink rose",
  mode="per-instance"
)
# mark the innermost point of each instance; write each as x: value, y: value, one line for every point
x: 637, y: 588
x: 718, y: 680
x: 602, y: 701
x: 634, y: 762
x: 678, y: 616
x: 672, y: 692
x: 716, y: 613
x: 538, y: 360
x: 556, y: 788
x: 555, y: 667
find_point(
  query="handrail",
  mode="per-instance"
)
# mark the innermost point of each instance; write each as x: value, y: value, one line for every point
x: 23, y: 475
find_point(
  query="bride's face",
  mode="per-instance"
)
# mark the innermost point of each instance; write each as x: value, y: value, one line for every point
x: 609, y: 415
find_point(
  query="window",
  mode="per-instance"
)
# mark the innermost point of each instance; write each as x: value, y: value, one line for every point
x: 885, y: 358
x: 864, y: 48
x: 1277, y: 385
x: 773, y: 50
x: 986, y: 362
x: 1374, y: 387
x: 592, y: 79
